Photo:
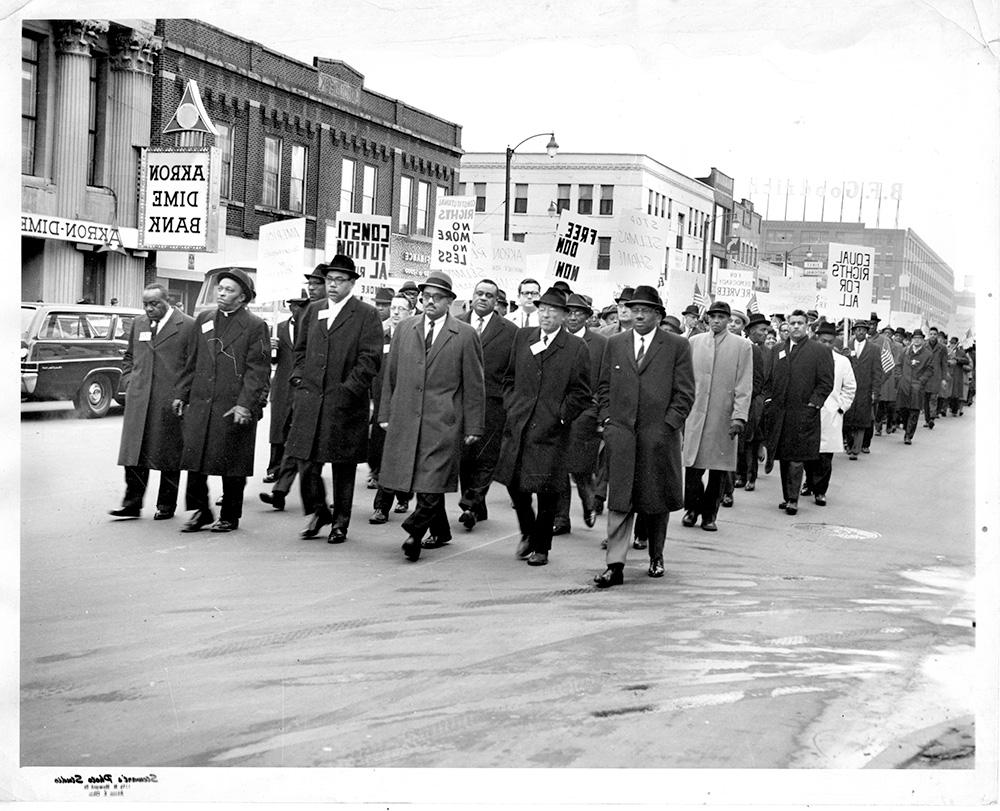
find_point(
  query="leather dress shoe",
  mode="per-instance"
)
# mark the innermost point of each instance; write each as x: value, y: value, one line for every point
x: 538, y: 558
x: 792, y: 507
x: 270, y: 478
x: 689, y: 519
x: 337, y: 535
x: 806, y: 490
x: 727, y: 500
x: 907, y: 441
x: 378, y: 517
x: 561, y: 529
x: 590, y: 517
x: 162, y: 515
x: 708, y: 524
x: 783, y: 505
x: 639, y: 543
x: 201, y: 518
x: 371, y: 484
x: 402, y: 507
x: 434, y: 542
x: 317, y: 521
x: 878, y: 432
x: 523, y: 548
x: 750, y: 487
x: 656, y: 567
x: 598, y: 505
x: 467, y: 519
x: 739, y: 482
x: 769, y: 465
x: 411, y: 548
x: 125, y: 512
x: 224, y: 525
x: 276, y: 499
x: 853, y: 457
x: 612, y: 576
x: 820, y: 499
x: 866, y: 450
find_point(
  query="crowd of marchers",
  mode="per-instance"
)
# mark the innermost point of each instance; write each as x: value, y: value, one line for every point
x: 644, y: 412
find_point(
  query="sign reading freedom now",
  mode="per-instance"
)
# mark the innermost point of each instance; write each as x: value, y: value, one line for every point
x: 575, y: 249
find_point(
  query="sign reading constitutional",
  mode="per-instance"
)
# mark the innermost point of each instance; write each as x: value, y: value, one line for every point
x: 452, y: 242
x: 280, y: 259
x: 733, y: 286
x: 575, y: 248
x: 363, y: 237
x: 849, y: 280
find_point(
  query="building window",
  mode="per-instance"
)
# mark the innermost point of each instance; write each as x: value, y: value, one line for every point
x: 29, y: 103
x: 520, y: 198
x: 225, y: 144
x: 680, y: 228
x: 518, y: 236
x: 272, y: 171
x: 347, y: 185
x: 369, y: 182
x: 92, y: 125
x: 405, y: 192
x: 423, y: 208
x: 649, y: 205
x: 297, y: 183
x: 562, y: 201
x: 461, y: 189
x: 480, y: 189
x: 670, y: 207
x: 585, y: 205
x: 608, y: 200
x: 604, y: 253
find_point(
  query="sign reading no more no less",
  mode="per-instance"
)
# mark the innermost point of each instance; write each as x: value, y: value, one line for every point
x: 452, y: 242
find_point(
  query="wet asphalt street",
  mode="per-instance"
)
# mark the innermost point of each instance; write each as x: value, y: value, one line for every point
x: 809, y: 641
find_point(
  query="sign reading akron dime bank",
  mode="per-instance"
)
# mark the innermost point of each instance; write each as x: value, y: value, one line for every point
x: 179, y: 199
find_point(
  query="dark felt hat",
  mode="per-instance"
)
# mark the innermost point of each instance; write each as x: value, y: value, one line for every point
x: 826, y: 328
x: 900, y: 331
x: 242, y: 278
x: 580, y: 302
x: 384, y: 295
x: 564, y: 286
x: 918, y: 333
x: 625, y: 295
x: 644, y: 294
x: 860, y: 323
x: 873, y: 318
x: 719, y: 308
x: 302, y: 300
x: 409, y: 286
x: 757, y: 318
x: 554, y: 297
x: 439, y: 281
x: 501, y: 296
x: 319, y: 272
x: 608, y: 311
x: 692, y: 309
x: 343, y: 263
x: 672, y: 323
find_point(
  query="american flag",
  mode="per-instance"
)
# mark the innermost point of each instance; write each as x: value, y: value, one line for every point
x: 700, y: 299
x: 888, y: 364
x: 752, y: 306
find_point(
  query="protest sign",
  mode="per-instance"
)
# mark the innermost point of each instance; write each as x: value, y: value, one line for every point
x: 679, y: 290
x: 849, y: 280
x: 575, y: 248
x: 452, y: 240
x: 908, y: 321
x: 364, y: 238
x: 480, y: 266
x: 280, y: 259
x: 637, y: 249
x: 733, y: 287
x: 786, y: 294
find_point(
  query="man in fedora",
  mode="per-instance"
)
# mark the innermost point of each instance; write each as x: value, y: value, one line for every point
x: 644, y: 393
x: 754, y: 433
x: 496, y: 335
x: 917, y: 367
x: 866, y: 361
x: 383, y: 298
x: 221, y: 395
x: 693, y: 324
x: 338, y: 352
x: 433, y: 402
x: 584, y: 438
x: 502, y: 304
x: 723, y: 377
x: 546, y: 387
x: 412, y: 292
x: 624, y: 321
x: 316, y: 283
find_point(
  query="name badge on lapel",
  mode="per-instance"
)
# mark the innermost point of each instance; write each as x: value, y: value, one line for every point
x: 385, y: 349
x: 208, y: 326
x: 781, y: 354
x: 537, y: 347
x: 324, y: 314
x: 146, y: 336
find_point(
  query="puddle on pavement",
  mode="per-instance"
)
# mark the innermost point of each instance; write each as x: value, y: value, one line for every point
x: 839, y: 531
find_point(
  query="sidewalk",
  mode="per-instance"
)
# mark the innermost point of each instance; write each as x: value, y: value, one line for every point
x: 951, y: 745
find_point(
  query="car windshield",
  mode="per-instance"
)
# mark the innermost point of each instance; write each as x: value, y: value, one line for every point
x: 27, y: 314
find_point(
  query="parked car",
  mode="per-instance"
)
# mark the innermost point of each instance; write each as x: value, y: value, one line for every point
x: 74, y: 352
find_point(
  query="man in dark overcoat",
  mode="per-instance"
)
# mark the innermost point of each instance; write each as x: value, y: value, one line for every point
x: 751, y: 438
x: 338, y: 352
x: 939, y: 373
x: 221, y: 395
x: 546, y: 387
x: 801, y: 380
x: 866, y: 361
x: 496, y: 334
x: 432, y: 401
x: 151, y: 431
x: 584, y: 440
x: 918, y: 365
x: 644, y: 395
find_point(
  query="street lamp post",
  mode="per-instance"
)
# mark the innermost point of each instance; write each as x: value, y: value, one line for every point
x: 551, y: 148
x: 790, y: 251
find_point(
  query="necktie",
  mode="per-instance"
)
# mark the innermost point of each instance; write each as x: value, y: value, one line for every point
x: 642, y: 350
x: 479, y: 326
x: 545, y: 339
x: 429, y: 338
x: 152, y: 329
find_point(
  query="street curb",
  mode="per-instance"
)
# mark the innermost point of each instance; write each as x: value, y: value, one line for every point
x: 907, y: 749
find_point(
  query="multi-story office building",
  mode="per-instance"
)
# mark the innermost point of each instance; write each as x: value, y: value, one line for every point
x: 907, y: 273
x: 696, y: 223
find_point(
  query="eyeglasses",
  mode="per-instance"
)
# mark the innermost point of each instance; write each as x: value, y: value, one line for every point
x: 531, y: 293
x: 435, y: 297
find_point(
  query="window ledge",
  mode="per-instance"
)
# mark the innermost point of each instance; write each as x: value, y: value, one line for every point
x: 281, y: 212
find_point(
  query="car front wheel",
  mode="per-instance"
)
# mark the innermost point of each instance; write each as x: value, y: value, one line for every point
x: 95, y: 397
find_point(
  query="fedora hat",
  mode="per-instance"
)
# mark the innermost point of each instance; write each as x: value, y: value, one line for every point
x: 439, y: 281
x: 344, y: 263
x: 672, y: 323
x: 742, y: 316
x: 755, y: 319
x: 242, y: 278
x: 409, y: 286
x: 501, y: 296
x: 860, y: 323
x: 719, y: 308
x: 692, y: 310
x: 319, y: 272
x: 554, y: 297
x: 826, y: 328
x: 646, y: 295
x: 384, y: 295
x: 564, y: 286
x: 578, y: 301
x: 625, y: 295
x: 609, y: 311
x: 917, y: 333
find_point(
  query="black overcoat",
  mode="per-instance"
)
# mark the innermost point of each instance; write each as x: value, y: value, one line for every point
x: 868, y: 374
x: 151, y: 432
x: 335, y: 368
x: 219, y: 373
x: 543, y: 394
x: 647, y: 407
x: 916, y: 369
x: 281, y: 392
x: 797, y: 389
x: 584, y: 440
